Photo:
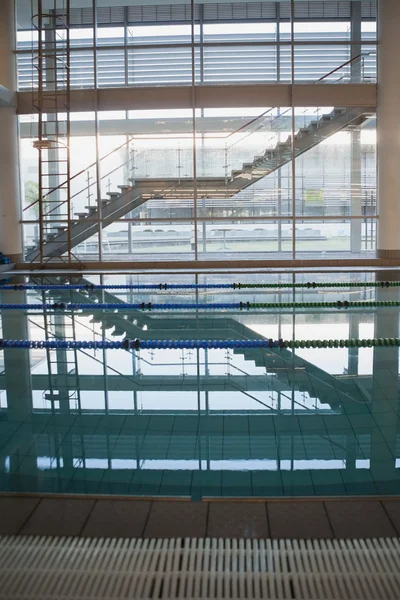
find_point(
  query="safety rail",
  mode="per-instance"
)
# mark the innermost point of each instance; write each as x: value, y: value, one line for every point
x: 349, y: 66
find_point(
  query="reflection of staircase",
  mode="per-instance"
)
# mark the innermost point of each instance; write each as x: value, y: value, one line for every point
x: 132, y: 196
x: 291, y: 370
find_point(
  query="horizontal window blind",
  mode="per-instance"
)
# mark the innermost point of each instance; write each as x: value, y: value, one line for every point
x: 221, y: 11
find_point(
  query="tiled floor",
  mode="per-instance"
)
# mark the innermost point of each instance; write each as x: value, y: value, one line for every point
x: 110, y: 517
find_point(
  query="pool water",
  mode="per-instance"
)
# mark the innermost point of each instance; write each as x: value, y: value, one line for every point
x: 201, y: 423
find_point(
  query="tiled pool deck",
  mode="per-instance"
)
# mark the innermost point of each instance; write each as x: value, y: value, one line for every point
x: 126, y: 517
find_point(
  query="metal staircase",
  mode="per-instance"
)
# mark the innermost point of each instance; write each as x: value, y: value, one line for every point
x: 292, y: 371
x: 59, y: 241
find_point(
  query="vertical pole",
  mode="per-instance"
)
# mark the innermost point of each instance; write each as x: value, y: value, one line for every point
x: 293, y: 132
x: 278, y: 78
x: 355, y: 136
x: 40, y: 125
x: 68, y: 129
x: 201, y: 25
x: 278, y: 40
x: 96, y: 121
x: 192, y: 5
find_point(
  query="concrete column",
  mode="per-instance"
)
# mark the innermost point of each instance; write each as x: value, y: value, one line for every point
x: 388, y: 129
x: 355, y: 191
x: 10, y: 205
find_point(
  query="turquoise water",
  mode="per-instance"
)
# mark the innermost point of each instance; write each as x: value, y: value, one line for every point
x: 201, y: 423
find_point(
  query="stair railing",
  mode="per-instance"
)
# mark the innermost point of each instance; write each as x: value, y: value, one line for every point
x: 344, y: 71
x: 86, y: 172
x: 262, y: 132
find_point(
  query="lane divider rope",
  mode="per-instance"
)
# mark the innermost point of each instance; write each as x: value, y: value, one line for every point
x: 199, y: 286
x: 197, y: 306
x: 137, y: 344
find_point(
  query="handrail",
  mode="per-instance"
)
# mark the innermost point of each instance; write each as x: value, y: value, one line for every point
x: 248, y: 123
x: 122, y: 146
x: 81, y: 172
x: 250, y: 132
x: 348, y: 62
x: 109, y: 172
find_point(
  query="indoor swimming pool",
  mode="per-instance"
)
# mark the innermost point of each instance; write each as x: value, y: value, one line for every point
x: 198, y: 421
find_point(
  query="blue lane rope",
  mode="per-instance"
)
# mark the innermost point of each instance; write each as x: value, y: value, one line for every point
x: 198, y: 286
x: 197, y: 306
x: 137, y: 344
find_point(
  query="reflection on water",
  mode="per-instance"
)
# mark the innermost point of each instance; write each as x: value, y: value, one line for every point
x: 199, y: 423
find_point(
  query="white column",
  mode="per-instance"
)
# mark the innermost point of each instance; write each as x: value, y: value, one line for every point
x: 388, y: 129
x: 10, y: 206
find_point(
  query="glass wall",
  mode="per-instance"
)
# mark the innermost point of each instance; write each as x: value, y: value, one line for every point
x: 208, y: 181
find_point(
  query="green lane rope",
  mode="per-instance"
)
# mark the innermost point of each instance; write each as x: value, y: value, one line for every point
x: 339, y: 304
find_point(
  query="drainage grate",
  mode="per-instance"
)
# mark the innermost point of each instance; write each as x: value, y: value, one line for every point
x: 82, y: 568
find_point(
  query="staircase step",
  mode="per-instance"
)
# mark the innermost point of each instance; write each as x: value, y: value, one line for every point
x: 113, y: 195
x: 118, y: 331
x: 303, y: 132
x: 95, y: 320
x: 92, y: 209
x: 81, y: 215
x: 124, y: 188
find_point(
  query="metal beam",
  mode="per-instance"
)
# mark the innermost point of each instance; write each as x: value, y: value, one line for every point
x: 213, y: 96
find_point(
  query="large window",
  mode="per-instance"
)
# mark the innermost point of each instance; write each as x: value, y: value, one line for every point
x: 210, y: 182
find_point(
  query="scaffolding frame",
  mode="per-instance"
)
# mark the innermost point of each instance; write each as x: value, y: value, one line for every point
x: 52, y: 100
